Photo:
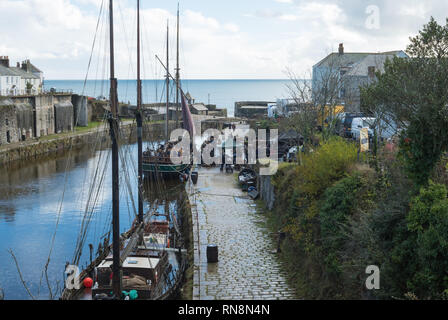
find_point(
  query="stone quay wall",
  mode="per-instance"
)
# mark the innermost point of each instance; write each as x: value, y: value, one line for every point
x: 32, y: 149
x: 266, y: 191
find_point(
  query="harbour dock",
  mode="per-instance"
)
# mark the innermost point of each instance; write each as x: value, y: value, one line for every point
x: 225, y: 216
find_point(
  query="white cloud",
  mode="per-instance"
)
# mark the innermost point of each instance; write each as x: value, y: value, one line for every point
x: 288, y: 17
x: 57, y: 35
x: 285, y: 1
x: 419, y: 10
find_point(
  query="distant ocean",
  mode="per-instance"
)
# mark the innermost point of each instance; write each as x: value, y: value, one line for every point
x: 223, y: 93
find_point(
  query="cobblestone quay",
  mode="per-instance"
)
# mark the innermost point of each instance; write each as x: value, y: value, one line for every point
x: 223, y: 215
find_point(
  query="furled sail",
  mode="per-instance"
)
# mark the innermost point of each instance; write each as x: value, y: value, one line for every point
x: 187, y: 118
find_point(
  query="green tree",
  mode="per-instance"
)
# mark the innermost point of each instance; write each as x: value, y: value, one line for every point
x: 428, y: 219
x: 414, y: 93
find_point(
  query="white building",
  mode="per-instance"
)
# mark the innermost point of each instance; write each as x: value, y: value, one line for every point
x: 20, y: 80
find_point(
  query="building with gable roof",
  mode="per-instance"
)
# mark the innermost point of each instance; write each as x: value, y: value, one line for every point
x: 23, y: 79
x: 338, y: 77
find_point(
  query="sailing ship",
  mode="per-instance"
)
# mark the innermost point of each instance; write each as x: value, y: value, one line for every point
x: 141, y: 263
x: 158, y: 162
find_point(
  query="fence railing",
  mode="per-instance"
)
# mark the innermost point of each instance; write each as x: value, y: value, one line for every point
x: 18, y: 93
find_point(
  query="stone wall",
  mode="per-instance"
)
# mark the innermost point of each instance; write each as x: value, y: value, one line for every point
x: 266, y: 191
x: 8, y: 123
x: 97, y: 109
x: 44, y: 114
x: 25, y: 121
x: 31, y: 150
x: 63, y: 116
x: 52, y: 113
x: 82, y: 111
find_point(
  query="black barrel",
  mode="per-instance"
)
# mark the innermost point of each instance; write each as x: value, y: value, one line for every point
x: 212, y: 253
x: 194, y: 177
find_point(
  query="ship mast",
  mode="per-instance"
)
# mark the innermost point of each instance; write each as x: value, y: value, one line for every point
x: 113, y: 123
x: 139, y: 122
x: 177, y: 71
x: 167, y: 81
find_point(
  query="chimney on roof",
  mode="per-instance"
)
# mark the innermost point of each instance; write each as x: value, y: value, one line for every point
x: 26, y: 66
x: 341, y: 49
x: 4, y: 61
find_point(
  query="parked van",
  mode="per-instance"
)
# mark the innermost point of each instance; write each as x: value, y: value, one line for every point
x: 345, y: 127
x: 360, y: 123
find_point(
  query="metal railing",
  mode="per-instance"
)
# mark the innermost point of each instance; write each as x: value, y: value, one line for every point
x: 33, y: 92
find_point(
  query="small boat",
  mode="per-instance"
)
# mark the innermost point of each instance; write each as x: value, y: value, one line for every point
x: 247, y: 178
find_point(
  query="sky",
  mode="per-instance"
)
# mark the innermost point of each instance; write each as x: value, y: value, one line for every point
x: 220, y: 39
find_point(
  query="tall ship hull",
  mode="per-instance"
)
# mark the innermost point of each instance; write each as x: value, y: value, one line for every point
x: 166, y: 170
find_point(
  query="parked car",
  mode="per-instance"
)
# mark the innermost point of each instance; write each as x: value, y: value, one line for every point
x: 346, y: 123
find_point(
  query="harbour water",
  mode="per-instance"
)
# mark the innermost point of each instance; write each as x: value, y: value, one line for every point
x: 37, y: 196
x: 30, y: 206
x: 223, y: 93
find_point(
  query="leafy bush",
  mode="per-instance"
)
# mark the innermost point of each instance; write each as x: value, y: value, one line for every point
x: 428, y: 220
x: 329, y: 163
x: 337, y: 206
x: 299, y: 190
x: 340, y: 217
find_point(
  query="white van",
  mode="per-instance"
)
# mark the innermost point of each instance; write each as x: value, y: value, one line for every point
x: 359, y: 123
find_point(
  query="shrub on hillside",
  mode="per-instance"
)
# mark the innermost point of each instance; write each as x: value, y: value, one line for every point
x: 428, y: 220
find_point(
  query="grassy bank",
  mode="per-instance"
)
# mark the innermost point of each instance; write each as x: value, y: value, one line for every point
x: 90, y: 128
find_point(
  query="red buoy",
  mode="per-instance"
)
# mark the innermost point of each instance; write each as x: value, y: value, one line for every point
x: 88, y: 282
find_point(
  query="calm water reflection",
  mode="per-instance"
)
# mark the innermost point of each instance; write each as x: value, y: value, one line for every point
x: 30, y: 198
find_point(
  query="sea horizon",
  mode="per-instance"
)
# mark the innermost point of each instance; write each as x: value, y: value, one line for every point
x: 184, y: 79
x: 221, y: 92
